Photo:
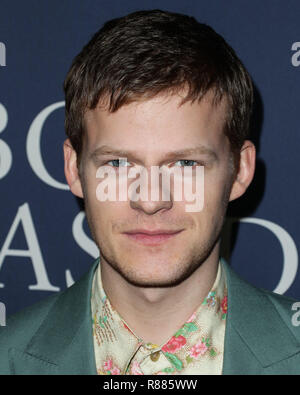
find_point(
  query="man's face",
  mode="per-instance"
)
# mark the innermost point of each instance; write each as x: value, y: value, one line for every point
x: 148, y: 133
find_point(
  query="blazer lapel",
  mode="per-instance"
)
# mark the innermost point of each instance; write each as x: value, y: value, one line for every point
x: 252, y: 345
x: 64, y: 343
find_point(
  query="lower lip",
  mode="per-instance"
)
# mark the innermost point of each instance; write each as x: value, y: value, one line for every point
x: 151, y: 239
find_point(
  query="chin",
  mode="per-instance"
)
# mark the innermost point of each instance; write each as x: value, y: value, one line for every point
x: 155, y: 274
x: 152, y: 282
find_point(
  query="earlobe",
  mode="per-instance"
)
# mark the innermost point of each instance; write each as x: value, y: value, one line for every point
x: 246, y: 170
x: 71, y: 170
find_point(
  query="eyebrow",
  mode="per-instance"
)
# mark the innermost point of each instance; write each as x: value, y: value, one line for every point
x: 200, y: 149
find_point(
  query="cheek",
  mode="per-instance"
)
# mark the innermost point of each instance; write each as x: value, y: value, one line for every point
x: 216, y: 195
x: 212, y: 194
x: 99, y: 212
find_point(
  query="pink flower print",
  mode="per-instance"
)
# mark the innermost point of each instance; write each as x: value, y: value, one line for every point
x: 162, y: 373
x: 192, y: 317
x: 135, y: 369
x: 126, y: 327
x: 199, y: 348
x: 211, y: 299
x: 174, y: 344
x: 115, y: 371
x: 224, y: 305
x: 108, y: 364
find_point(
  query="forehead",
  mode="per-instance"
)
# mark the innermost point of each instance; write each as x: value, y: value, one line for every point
x: 159, y: 122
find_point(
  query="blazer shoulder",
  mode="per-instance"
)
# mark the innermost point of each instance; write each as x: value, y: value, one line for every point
x: 21, y: 327
x: 289, y: 310
x: 47, y: 319
x: 259, y: 311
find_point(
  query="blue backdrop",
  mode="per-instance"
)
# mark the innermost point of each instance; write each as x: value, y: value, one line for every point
x: 44, y: 241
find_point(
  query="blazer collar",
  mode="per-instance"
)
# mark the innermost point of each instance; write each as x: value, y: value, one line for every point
x: 64, y: 342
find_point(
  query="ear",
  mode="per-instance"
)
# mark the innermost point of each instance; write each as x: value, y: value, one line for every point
x: 71, y: 170
x: 246, y: 170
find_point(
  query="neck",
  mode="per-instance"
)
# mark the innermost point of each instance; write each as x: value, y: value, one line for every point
x: 155, y: 314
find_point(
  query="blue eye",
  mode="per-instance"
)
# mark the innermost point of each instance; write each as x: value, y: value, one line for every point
x: 118, y: 162
x: 186, y: 162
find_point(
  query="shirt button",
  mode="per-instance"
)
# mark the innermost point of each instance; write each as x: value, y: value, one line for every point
x: 155, y: 356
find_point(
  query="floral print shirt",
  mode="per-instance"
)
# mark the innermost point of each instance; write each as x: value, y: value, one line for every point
x: 196, y: 348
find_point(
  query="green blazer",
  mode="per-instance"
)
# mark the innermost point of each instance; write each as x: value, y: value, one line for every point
x: 55, y: 336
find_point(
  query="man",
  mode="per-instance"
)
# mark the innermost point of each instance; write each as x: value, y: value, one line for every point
x: 156, y: 90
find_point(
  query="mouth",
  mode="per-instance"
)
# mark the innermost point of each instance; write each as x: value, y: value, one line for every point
x: 154, y: 237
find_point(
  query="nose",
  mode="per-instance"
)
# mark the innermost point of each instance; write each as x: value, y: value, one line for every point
x: 149, y: 195
x: 150, y: 207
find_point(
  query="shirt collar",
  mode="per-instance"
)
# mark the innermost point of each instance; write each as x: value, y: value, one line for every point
x: 112, y: 335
